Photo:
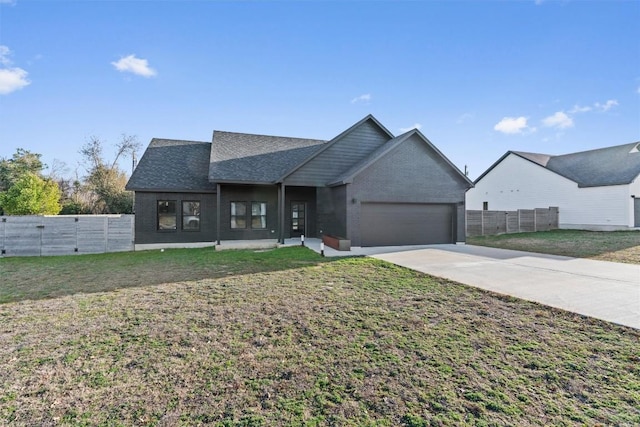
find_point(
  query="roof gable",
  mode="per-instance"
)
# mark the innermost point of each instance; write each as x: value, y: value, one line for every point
x: 240, y: 157
x: 340, y: 154
x: 385, y: 149
x: 172, y: 165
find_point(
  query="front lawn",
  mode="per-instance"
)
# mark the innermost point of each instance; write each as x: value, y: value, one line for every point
x: 616, y: 246
x: 353, y: 342
x: 47, y: 277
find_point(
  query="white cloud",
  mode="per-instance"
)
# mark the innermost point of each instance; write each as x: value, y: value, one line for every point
x: 11, y: 2
x: 134, y: 65
x: 607, y: 105
x: 639, y: 89
x: 4, y: 55
x: 417, y: 126
x: 11, y: 78
x: 365, y: 98
x: 578, y: 109
x: 558, y: 120
x: 513, y: 125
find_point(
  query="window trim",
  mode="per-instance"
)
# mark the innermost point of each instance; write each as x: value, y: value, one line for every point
x: 232, y: 216
x: 259, y: 216
x: 198, y: 215
x: 159, y: 215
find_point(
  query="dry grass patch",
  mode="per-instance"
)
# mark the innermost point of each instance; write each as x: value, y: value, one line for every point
x: 615, y: 246
x: 353, y: 342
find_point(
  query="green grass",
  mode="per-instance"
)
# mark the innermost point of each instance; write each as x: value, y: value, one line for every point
x: 49, y: 277
x: 353, y: 342
x: 616, y: 246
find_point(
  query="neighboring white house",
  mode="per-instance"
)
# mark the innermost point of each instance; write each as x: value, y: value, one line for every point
x: 594, y: 190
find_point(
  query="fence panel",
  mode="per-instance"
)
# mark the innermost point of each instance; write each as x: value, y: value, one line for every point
x: 91, y: 235
x: 120, y: 236
x: 474, y: 223
x: 3, y: 221
x: 512, y: 222
x: 58, y: 236
x: 484, y: 223
x: 65, y: 234
x: 22, y: 236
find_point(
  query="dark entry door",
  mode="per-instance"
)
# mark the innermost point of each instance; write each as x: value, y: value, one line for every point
x: 298, y: 218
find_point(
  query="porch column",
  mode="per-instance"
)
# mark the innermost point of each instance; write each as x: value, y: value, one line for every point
x: 281, y: 206
x: 218, y: 210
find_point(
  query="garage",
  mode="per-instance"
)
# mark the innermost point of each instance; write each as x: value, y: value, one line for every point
x: 396, y: 224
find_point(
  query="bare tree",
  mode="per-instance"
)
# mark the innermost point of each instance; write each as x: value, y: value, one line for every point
x: 105, y: 179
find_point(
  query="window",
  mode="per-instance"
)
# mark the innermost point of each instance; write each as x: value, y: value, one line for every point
x: 190, y: 215
x: 485, y: 206
x: 167, y: 218
x: 238, y: 215
x: 258, y: 215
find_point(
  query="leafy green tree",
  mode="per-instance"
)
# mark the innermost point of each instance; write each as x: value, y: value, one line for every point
x: 31, y: 195
x: 12, y: 169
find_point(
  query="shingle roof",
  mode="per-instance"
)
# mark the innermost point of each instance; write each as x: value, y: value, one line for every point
x: 241, y: 157
x: 617, y: 165
x: 606, y: 166
x: 173, y: 165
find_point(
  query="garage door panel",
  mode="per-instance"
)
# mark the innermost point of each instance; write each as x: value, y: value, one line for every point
x: 391, y: 224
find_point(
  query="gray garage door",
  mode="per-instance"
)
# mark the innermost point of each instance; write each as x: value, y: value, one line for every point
x: 636, y: 210
x: 391, y: 224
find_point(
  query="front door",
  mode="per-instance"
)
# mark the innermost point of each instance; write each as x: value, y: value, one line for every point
x: 298, y: 218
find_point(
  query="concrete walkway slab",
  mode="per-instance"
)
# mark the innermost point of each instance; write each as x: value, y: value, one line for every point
x: 604, y: 290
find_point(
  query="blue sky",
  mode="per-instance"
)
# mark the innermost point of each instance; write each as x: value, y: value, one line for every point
x: 477, y: 77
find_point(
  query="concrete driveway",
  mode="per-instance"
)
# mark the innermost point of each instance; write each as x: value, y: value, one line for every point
x: 600, y: 289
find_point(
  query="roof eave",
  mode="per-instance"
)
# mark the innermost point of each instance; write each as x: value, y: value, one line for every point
x: 171, y: 190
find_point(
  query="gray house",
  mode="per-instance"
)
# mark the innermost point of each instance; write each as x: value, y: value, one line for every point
x: 365, y: 185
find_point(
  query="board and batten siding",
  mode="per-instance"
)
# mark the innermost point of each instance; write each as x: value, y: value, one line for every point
x: 347, y: 151
x: 147, y: 218
x: 516, y: 183
x: 410, y: 173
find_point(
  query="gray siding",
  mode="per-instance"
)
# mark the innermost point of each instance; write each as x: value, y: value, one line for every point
x: 411, y: 173
x: 332, y: 214
x: 340, y: 156
x: 238, y: 193
x: 147, y: 216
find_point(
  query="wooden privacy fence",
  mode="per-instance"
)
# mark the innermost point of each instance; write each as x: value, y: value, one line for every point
x: 65, y: 234
x: 484, y: 223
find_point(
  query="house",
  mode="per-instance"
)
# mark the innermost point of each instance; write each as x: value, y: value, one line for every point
x: 594, y: 190
x: 365, y: 185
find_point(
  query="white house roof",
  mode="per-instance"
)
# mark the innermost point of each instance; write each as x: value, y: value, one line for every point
x: 617, y: 165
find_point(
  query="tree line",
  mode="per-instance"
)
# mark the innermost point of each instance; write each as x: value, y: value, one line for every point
x: 26, y: 190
